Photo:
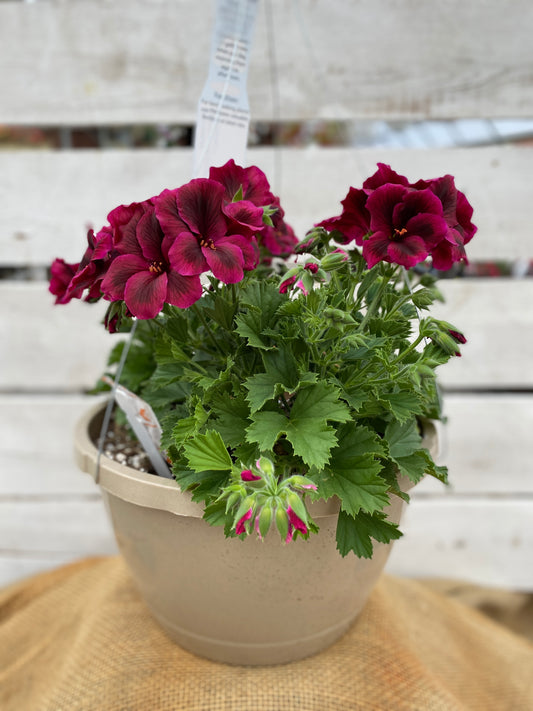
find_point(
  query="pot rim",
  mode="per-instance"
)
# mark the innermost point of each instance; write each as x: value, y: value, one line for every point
x: 152, y: 491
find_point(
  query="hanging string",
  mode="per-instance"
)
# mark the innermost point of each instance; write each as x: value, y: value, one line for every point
x: 109, y: 407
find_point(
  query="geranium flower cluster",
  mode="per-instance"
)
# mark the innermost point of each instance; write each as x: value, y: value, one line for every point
x: 154, y: 252
x: 404, y: 223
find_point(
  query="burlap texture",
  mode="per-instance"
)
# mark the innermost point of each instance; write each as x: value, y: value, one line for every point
x: 80, y: 638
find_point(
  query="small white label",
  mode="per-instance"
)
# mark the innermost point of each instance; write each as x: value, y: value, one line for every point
x: 144, y: 423
x: 223, y: 111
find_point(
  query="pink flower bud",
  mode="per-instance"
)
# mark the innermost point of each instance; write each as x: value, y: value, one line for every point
x: 286, y: 284
x: 296, y: 521
x: 312, y: 267
x: 300, y: 285
x: 248, y: 475
x: 241, y: 523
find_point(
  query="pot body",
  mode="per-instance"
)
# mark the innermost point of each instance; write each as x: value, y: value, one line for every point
x: 240, y: 602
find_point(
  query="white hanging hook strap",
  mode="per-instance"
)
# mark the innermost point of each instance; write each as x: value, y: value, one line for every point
x: 223, y: 111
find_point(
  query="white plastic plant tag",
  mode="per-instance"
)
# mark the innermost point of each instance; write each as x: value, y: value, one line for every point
x: 223, y: 111
x: 144, y: 423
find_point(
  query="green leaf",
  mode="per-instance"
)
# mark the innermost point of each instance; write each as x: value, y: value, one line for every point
x: 249, y: 326
x: 403, y: 438
x: 311, y: 440
x: 265, y: 429
x: 321, y: 401
x: 413, y: 466
x: 265, y: 296
x: 280, y: 364
x: 207, y: 451
x: 232, y: 418
x: 356, y: 533
x: 261, y: 387
x: 403, y: 405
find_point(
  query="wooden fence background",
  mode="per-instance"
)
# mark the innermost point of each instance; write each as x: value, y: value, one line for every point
x: 102, y: 63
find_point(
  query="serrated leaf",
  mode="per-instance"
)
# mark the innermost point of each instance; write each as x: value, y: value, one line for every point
x: 356, y: 533
x: 249, y: 326
x: 403, y: 438
x: 265, y: 296
x: 265, y: 429
x: 232, y: 418
x: 321, y: 401
x: 261, y: 387
x: 403, y: 405
x: 312, y: 441
x: 413, y: 466
x: 207, y: 451
x: 358, y: 488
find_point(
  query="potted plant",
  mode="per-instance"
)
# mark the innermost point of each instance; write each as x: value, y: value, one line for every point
x: 294, y: 383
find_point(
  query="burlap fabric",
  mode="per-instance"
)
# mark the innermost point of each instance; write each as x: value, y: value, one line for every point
x: 80, y: 638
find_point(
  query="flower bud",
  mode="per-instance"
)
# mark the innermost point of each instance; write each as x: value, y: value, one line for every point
x: 334, y: 260
x: 282, y: 522
x: 265, y: 519
x: 297, y: 507
x: 248, y: 475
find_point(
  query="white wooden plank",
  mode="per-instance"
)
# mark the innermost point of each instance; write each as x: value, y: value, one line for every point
x: 103, y: 62
x: 488, y: 542
x: 36, y: 447
x: 72, y: 345
x: 485, y: 446
x: 79, y: 527
x: 46, y: 346
x: 68, y: 190
x: 496, y: 318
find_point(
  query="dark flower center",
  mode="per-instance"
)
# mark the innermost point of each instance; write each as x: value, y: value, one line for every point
x: 398, y: 234
x: 156, y: 268
x: 207, y: 242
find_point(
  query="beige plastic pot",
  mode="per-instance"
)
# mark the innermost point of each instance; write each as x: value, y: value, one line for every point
x: 239, y: 602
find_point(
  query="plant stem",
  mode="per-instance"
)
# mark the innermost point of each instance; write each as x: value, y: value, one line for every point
x: 408, y: 350
x: 200, y: 315
x: 375, y: 302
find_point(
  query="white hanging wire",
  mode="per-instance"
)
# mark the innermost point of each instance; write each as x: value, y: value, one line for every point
x: 111, y: 401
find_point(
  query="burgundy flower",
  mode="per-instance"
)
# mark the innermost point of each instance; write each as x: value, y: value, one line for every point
x: 147, y: 277
x: 405, y: 224
x: 251, y: 181
x: 285, y: 285
x: 312, y: 267
x: 278, y: 239
x: 192, y: 216
x: 354, y: 221
x: 61, y: 276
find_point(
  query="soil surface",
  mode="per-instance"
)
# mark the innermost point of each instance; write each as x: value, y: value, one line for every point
x: 123, y: 447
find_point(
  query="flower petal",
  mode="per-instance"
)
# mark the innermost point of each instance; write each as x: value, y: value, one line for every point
x: 145, y: 294
x: 226, y: 261
x: 200, y: 206
x: 166, y: 210
x: 375, y: 248
x: 381, y: 205
x: 150, y: 236
x: 183, y: 291
x: 185, y: 255
x: 407, y: 251
x: 431, y: 228
x: 120, y: 270
x: 383, y: 175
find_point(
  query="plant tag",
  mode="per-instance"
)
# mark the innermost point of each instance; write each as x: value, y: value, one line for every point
x: 223, y: 111
x: 145, y: 425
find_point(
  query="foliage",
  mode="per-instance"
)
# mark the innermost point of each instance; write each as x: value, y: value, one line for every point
x: 272, y: 389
